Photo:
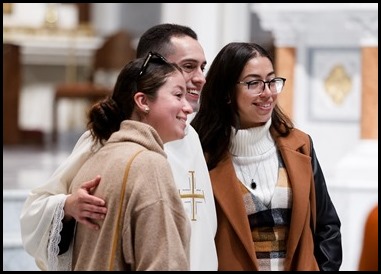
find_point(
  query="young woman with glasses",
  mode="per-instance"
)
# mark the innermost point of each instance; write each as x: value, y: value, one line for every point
x: 273, y: 208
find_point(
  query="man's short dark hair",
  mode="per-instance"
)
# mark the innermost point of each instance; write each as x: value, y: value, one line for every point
x: 158, y: 38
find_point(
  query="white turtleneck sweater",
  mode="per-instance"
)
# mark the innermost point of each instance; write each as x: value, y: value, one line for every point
x: 255, y: 158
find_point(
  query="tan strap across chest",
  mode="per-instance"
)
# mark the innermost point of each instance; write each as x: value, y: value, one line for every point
x: 118, y: 224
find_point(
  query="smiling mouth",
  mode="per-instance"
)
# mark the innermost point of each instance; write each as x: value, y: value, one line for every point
x: 192, y: 92
x: 182, y: 120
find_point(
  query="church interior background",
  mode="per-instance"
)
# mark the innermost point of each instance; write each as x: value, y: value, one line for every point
x: 328, y: 53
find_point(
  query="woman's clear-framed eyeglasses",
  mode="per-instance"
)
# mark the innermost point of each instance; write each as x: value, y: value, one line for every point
x: 150, y: 57
x: 256, y: 87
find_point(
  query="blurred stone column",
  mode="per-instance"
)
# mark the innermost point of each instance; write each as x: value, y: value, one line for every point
x: 369, y: 107
x: 284, y: 66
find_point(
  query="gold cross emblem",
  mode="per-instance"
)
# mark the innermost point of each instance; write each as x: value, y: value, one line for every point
x: 196, y: 195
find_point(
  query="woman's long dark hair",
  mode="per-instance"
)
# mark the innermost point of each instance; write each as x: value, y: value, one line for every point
x: 218, y: 111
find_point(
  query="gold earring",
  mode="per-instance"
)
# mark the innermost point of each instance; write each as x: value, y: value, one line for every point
x: 146, y: 109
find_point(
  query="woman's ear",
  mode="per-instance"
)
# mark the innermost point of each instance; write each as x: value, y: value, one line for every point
x: 141, y: 102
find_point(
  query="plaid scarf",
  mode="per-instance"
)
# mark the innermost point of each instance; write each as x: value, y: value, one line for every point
x: 270, y: 224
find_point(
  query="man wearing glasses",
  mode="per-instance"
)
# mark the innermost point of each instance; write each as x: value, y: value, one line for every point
x: 49, y: 207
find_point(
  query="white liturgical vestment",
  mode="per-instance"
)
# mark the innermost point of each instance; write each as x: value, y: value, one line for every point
x: 192, y: 179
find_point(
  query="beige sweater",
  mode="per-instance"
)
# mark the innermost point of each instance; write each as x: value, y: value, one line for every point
x: 155, y: 230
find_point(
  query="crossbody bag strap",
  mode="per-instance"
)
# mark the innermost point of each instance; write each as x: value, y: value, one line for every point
x: 118, y: 224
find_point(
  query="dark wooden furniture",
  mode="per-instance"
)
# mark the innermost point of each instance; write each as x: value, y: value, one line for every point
x: 11, y: 93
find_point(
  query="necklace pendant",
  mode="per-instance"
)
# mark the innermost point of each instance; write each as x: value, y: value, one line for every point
x: 253, y: 184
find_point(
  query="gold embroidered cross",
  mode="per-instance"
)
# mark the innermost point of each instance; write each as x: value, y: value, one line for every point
x: 193, y: 194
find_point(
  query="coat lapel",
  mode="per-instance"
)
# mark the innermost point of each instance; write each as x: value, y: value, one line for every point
x: 226, y: 190
x: 297, y: 166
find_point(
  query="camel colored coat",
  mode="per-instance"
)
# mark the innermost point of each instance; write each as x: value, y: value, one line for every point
x: 235, y: 248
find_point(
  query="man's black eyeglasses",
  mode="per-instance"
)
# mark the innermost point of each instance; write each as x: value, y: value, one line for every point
x: 150, y: 57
